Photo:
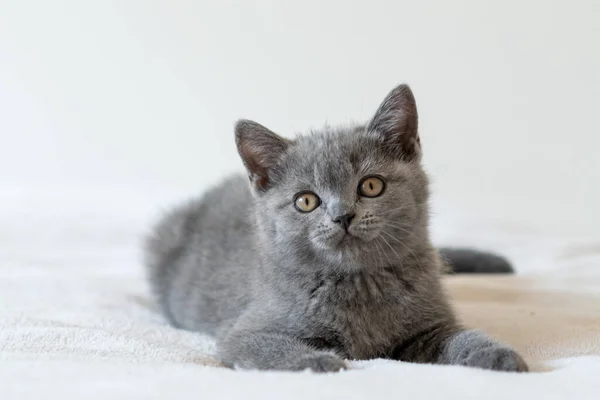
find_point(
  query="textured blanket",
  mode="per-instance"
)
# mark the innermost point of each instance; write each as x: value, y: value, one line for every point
x: 76, y: 318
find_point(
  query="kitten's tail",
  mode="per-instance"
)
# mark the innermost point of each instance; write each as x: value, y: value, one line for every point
x: 462, y: 261
x: 163, y: 248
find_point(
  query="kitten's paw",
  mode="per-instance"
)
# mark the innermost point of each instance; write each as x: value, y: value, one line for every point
x: 320, y: 362
x: 497, y: 359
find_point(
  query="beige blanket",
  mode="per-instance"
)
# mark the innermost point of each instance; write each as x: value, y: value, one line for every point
x: 544, y: 322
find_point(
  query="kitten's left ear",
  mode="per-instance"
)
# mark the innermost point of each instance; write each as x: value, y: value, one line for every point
x: 396, y: 123
x: 260, y: 150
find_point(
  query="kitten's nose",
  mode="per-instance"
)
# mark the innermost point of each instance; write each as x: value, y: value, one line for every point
x: 344, y: 220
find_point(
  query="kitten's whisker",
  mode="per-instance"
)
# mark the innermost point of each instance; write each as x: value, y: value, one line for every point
x: 407, y: 248
x: 392, y: 237
x: 385, y: 254
x: 397, y: 224
x: 379, y: 251
x: 398, y: 227
x: 393, y: 210
x: 390, y: 246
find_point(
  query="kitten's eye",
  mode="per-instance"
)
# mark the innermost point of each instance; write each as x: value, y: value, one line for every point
x: 306, y: 202
x: 371, y: 186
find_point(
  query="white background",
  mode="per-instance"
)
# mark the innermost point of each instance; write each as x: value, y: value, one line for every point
x: 142, y: 95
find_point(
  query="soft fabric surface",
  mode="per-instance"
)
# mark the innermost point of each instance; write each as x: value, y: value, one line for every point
x: 76, y: 318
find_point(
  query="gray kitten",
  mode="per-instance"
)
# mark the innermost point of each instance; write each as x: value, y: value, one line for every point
x: 326, y: 258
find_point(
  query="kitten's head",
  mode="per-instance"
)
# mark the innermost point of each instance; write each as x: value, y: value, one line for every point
x: 346, y: 197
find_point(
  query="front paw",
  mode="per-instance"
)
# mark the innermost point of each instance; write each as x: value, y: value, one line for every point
x: 319, y: 362
x: 497, y: 358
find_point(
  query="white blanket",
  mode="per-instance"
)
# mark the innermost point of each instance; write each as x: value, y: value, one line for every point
x: 76, y: 320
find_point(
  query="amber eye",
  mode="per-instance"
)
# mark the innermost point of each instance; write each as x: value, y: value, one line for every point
x: 371, y: 186
x: 306, y: 202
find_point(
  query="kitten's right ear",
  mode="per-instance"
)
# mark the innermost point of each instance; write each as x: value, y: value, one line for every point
x: 260, y: 150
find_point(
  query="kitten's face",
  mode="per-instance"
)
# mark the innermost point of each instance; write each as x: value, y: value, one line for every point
x: 337, y: 196
x: 345, y: 198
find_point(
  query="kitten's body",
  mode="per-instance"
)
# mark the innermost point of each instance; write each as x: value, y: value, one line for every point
x: 202, y: 264
x: 214, y: 274
x: 282, y: 289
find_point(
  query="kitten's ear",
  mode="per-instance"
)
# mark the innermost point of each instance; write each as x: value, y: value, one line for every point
x: 260, y: 150
x: 396, y: 123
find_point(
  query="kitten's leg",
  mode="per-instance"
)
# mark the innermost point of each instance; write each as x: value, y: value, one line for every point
x: 462, y: 261
x: 268, y: 350
x: 474, y: 349
x: 446, y: 345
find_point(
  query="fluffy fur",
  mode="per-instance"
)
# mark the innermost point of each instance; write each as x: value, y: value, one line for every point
x: 287, y: 290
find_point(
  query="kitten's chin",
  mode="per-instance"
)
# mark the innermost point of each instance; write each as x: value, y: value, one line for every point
x: 349, y: 248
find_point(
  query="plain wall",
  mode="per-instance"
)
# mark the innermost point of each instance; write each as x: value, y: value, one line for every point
x: 144, y: 94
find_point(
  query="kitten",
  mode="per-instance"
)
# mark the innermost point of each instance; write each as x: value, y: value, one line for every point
x: 326, y: 258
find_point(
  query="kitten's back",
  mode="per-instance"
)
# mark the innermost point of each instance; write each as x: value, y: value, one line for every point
x: 199, y: 257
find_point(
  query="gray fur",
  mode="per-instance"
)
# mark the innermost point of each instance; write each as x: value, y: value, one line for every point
x: 286, y: 290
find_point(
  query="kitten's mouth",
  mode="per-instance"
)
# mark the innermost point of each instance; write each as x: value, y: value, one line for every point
x: 348, y: 239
